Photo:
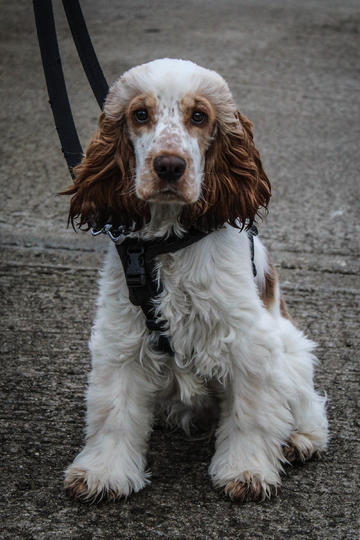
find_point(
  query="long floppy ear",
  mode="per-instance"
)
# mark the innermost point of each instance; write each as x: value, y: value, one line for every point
x: 235, y: 185
x: 104, y: 189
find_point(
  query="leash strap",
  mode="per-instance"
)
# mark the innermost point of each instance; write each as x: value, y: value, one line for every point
x: 86, y: 50
x: 54, y: 75
x: 58, y: 98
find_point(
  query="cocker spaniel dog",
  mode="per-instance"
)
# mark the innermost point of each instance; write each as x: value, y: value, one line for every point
x: 174, y: 158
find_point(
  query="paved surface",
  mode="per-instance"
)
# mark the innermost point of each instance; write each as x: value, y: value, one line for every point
x: 294, y: 69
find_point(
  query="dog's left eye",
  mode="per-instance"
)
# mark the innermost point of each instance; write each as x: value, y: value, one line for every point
x: 198, y: 118
x: 141, y: 116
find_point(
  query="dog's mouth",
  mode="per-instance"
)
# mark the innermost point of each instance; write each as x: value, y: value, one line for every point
x: 167, y: 194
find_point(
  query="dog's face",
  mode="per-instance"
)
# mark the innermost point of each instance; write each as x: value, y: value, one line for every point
x: 170, y: 134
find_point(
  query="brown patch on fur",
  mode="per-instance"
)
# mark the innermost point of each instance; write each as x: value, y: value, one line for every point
x: 203, y: 132
x: 268, y: 292
x: 250, y: 490
x: 285, y: 312
x: 103, y: 189
x: 235, y: 185
x: 291, y: 453
x: 146, y: 102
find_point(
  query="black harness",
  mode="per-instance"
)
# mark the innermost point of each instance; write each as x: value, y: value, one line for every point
x: 138, y: 256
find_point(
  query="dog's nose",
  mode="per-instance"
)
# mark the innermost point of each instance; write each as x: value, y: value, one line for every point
x: 169, y: 167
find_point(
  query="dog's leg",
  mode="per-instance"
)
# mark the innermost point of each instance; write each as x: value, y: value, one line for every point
x: 119, y: 399
x: 308, y: 407
x: 261, y: 412
x: 247, y: 460
x: 119, y: 418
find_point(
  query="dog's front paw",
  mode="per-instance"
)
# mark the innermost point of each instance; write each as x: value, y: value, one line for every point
x: 249, y: 488
x: 301, y: 447
x: 107, y: 483
x: 76, y: 486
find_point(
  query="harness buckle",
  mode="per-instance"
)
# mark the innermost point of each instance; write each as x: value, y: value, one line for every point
x: 135, y: 267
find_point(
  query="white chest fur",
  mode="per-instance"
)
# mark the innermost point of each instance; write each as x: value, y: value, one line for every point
x: 209, y: 297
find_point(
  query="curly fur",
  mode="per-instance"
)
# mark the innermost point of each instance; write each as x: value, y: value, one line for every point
x: 103, y: 188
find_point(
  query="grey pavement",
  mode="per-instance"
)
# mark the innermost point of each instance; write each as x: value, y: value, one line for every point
x: 294, y: 69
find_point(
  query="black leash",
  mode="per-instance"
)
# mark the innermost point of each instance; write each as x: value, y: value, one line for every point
x: 86, y: 50
x: 58, y: 98
x: 54, y: 75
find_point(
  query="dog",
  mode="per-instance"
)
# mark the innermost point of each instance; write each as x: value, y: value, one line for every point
x: 172, y: 154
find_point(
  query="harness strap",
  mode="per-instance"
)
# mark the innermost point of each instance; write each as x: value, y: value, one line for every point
x: 138, y: 259
x: 251, y: 233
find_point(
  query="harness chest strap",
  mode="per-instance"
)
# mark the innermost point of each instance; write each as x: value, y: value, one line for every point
x: 138, y: 260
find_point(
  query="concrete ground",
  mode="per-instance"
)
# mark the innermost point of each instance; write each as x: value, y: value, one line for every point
x: 294, y: 69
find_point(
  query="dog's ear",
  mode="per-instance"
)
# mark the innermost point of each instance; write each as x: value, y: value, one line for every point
x: 104, y: 189
x: 235, y: 185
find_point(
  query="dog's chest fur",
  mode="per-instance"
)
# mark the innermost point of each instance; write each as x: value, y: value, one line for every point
x: 208, y: 294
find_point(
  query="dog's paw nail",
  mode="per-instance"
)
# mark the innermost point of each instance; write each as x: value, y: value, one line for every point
x: 252, y: 490
x: 294, y: 453
x: 77, y: 489
x: 291, y: 453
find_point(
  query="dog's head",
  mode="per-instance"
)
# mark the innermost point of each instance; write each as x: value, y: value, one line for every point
x: 170, y: 134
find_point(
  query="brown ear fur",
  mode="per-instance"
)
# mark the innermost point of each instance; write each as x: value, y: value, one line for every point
x: 103, y: 188
x: 235, y: 184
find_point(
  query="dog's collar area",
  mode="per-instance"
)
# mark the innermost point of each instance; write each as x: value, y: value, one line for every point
x: 138, y: 258
x: 116, y: 234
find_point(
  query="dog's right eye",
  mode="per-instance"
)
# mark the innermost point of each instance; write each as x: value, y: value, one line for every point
x: 198, y: 118
x: 141, y: 116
